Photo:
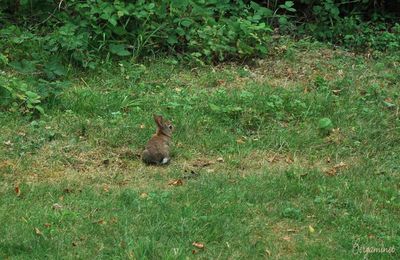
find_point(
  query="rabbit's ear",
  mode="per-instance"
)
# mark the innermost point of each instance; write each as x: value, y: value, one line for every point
x: 158, y: 120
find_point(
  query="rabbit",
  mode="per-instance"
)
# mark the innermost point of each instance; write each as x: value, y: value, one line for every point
x: 157, y: 150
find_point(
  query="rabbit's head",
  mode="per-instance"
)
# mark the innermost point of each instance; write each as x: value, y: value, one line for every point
x: 164, y: 127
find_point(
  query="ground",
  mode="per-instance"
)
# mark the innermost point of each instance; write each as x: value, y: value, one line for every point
x: 254, y: 173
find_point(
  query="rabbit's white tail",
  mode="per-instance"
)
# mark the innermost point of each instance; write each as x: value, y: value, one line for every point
x: 165, y: 160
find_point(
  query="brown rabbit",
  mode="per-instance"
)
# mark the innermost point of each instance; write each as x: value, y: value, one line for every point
x: 157, y: 149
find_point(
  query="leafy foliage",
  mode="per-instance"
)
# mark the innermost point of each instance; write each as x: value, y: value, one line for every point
x: 325, y: 125
x: 83, y: 33
x: 355, y: 24
x: 15, y: 94
x: 214, y: 29
x: 43, y: 40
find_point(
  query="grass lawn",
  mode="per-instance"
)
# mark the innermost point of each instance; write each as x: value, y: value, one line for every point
x: 262, y: 174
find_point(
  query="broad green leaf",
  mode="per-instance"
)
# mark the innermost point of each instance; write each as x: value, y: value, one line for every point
x: 112, y: 20
x: 32, y: 95
x: 289, y: 4
x: 40, y: 109
x: 186, y: 22
x: 56, y: 68
x: 23, y: 66
x: 151, y: 6
x: 172, y: 39
x: 283, y: 20
x: 119, y: 49
x: 325, y: 123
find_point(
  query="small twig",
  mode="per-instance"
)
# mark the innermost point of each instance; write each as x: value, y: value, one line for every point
x: 59, y: 4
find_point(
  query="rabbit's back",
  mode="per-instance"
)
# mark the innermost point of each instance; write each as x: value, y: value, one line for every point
x: 156, y: 151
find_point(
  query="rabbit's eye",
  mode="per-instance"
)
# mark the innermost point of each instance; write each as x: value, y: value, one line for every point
x: 170, y: 126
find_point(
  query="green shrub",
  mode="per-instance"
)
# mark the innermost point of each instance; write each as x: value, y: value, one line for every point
x: 84, y: 33
x: 215, y: 30
x: 41, y: 39
x: 355, y: 24
x: 16, y: 95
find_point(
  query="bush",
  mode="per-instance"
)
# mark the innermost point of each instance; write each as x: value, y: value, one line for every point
x: 40, y: 39
x: 215, y: 30
x: 354, y: 24
x: 15, y: 95
x: 82, y: 33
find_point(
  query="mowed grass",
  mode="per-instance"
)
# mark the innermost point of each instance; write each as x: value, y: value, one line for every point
x: 260, y: 179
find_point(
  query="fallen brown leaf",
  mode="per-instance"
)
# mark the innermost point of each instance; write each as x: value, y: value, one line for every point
x: 286, y: 238
x: 220, y: 82
x: 311, y: 229
x: 240, y: 141
x: 17, y: 190
x: 8, y: 143
x: 289, y: 72
x: 331, y: 171
x: 106, y: 188
x: 334, y: 170
x: 289, y: 159
x: 340, y: 165
x: 220, y: 159
x: 47, y: 225
x: 177, y: 182
x: 336, y: 91
x: 198, y: 245
x: 57, y: 206
x: 388, y: 99
x: 101, y: 222
x: 123, y: 182
x: 38, y: 232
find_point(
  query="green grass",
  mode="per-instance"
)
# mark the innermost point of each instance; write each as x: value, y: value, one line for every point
x: 284, y: 189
